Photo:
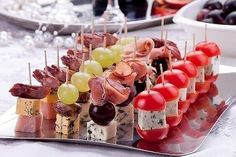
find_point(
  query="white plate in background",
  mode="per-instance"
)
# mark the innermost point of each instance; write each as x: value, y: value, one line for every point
x: 224, y: 35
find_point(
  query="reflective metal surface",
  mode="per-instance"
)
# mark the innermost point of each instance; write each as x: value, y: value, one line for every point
x: 136, y: 20
x: 184, y: 139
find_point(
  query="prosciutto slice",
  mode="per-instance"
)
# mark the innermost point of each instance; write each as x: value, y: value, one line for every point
x: 72, y: 62
x: 107, y: 90
x: 29, y: 91
x: 144, y: 47
x: 46, y: 79
x: 97, y: 39
x: 139, y: 67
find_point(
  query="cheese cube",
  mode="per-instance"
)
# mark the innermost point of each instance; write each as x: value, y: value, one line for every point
x: 83, y: 130
x: 124, y: 114
x: 183, y: 94
x: 172, y: 108
x: 125, y: 132
x: 200, y: 74
x: 213, y: 66
x: 148, y: 120
x: 104, y: 133
x: 67, y: 125
x: 27, y: 107
x: 191, y: 87
x: 84, y: 114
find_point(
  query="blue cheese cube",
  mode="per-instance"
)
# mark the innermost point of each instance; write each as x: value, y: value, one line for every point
x: 213, y: 66
x: 191, y: 87
x: 148, y: 120
x: 84, y: 114
x: 124, y: 114
x: 172, y: 108
x: 183, y: 94
x: 104, y: 133
x: 125, y: 132
x: 200, y: 74
x: 67, y: 125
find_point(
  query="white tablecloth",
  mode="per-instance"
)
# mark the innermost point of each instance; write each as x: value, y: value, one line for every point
x: 13, y: 68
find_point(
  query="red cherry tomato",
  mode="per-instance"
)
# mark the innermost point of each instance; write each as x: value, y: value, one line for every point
x: 167, y: 90
x: 186, y: 66
x: 192, y: 97
x: 211, y: 78
x: 163, y: 11
x: 211, y: 49
x: 203, y: 87
x: 198, y: 58
x: 153, y: 135
x: 184, y: 105
x: 174, y: 120
x: 150, y: 101
x: 175, y: 77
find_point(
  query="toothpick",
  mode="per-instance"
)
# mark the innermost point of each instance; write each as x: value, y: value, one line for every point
x: 194, y: 42
x: 82, y: 64
x: 104, y: 42
x: 169, y: 54
x: 135, y: 47
x: 185, y: 51
x: 67, y: 75
x: 76, y: 43
x: 45, y: 60
x: 126, y: 28
x: 29, y: 68
x: 92, y: 27
x: 58, y: 56
x: 162, y: 27
x: 82, y: 38
x: 205, y: 32
x: 105, y: 27
x: 162, y: 75
x: 90, y: 52
x: 147, y: 82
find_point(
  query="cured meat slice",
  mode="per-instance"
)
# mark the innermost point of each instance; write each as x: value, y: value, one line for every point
x: 28, y: 124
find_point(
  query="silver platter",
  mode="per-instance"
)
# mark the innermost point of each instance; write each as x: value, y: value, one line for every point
x: 184, y: 139
x: 33, y: 24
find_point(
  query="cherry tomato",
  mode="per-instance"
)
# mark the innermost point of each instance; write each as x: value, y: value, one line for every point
x: 198, y: 58
x: 175, y: 77
x: 184, y: 105
x: 175, y: 120
x: 213, y: 91
x: 176, y: 4
x: 211, y: 78
x: 211, y: 49
x: 163, y: 11
x: 167, y: 90
x: 186, y: 66
x: 150, y: 101
x: 153, y: 135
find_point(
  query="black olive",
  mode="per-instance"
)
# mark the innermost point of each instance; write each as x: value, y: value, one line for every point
x: 217, y: 16
x: 231, y: 19
x: 139, y: 86
x: 229, y: 6
x: 213, y: 4
x: 156, y: 64
x: 102, y: 115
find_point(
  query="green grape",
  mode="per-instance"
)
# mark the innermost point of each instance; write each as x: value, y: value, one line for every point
x: 117, y: 51
x: 68, y: 93
x: 103, y: 56
x: 92, y: 67
x: 80, y: 80
x: 126, y: 41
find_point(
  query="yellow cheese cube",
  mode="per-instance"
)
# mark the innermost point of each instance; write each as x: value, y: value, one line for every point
x: 27, y: 107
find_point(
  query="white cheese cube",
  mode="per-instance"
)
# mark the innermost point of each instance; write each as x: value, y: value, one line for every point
x: 191, y: 87
x: 213, y: 66
x: 125, y: 132
x: 95, y: 131
x: 67, y: 125
x: 84, y: 114
x: 172, y: 108
x: 124, y: 114
x: 200, y: 74
x: 183, y: 94
x: 148, y: 120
